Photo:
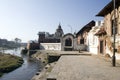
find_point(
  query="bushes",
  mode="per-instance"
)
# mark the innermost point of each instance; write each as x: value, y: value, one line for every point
x: 9, y: 62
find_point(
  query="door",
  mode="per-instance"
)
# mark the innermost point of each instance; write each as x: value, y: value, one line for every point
x: 101, y: 47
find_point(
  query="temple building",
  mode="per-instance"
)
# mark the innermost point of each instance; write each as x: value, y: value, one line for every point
x: 45, y: 37
x: 65, y: 42
x: 50, y: 41
x: 59, y: 32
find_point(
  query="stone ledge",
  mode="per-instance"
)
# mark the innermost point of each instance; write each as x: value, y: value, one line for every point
x: 51, y: 79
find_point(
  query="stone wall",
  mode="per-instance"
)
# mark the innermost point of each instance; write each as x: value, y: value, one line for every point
x: 108, y: 21
x: 32, y: 46
x: 50, y: 46
x: 108, y: 27
x: 63, y: 41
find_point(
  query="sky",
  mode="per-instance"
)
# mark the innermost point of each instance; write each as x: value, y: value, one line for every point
x: 25, y: 18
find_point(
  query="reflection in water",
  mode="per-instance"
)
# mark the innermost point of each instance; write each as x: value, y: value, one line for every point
x: 26, y: 71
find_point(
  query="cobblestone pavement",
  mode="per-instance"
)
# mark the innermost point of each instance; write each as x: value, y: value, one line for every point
x: 81, y: 67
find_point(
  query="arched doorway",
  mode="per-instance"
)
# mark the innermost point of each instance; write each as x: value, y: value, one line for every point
x: 68, y: 42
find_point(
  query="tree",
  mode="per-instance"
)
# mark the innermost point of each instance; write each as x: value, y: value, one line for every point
x: 17, y: 40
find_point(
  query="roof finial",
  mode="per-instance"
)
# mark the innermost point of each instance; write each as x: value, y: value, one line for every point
x: 59, y: 26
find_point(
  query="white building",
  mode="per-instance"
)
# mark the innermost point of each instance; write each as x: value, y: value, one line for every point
x: 92, y: 39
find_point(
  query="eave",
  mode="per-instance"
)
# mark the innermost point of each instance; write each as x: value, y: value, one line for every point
x: 89, y: 25
x: 108, y: 8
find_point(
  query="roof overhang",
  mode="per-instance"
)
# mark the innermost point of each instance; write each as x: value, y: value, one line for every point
x: 108, y: 8
x: 87, y: 26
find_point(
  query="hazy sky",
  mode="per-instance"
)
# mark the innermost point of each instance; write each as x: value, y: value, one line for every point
x: 25, y: 18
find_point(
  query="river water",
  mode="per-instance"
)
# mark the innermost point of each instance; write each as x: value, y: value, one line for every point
x: 26, y: 71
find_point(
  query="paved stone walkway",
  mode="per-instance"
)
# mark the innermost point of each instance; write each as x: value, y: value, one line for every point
x: 77, y: 67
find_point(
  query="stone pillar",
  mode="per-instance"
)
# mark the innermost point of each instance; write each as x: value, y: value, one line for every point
x: 62, y: 44
x: 75, y: 43
x: 118, y: 21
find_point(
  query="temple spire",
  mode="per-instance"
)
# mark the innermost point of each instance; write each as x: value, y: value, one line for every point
x: 59, y: 31
x: 59, y: 26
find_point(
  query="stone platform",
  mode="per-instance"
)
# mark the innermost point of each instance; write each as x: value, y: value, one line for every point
x: 77, y: 67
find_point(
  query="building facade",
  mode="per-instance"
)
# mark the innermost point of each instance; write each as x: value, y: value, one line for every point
x: 108, y: 13
x: 50, y: 41
x: 68, y: 42
x: 82, y: 35
x: 92, y: 39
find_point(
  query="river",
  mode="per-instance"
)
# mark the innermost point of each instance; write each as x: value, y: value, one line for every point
x: 26, y: 71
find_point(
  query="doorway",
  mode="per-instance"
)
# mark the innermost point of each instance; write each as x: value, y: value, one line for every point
x: 68, y: 42
x: 101, y: 47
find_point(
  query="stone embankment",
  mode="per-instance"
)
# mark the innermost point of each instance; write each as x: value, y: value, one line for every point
x: 49, y: 58
x: 46, y: 56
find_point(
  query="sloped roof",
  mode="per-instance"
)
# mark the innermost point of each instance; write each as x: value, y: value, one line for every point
x: 108, y: 8
x: 87, y: 27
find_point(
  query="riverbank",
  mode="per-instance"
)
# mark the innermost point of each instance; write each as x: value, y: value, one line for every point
x: 9, y: 63
x: 46, y: 56
x: 42, y: 75
x: 49, y: 58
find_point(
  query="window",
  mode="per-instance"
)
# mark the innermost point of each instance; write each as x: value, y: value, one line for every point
x: 112, y: 25
x: 82, y: 41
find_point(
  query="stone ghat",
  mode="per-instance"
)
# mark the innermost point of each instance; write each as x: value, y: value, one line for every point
x: 77, y: 67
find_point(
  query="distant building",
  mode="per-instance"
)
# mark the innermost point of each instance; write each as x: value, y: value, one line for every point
x: 59, y: 32
x: 32, y: 45
x: 51, y: 41
x: 45, y: 37
x: 41, y: 37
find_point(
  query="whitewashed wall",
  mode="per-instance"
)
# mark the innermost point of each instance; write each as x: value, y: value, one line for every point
x: 50, y: 46
x: 92, y: 40
x: 92, y: 43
